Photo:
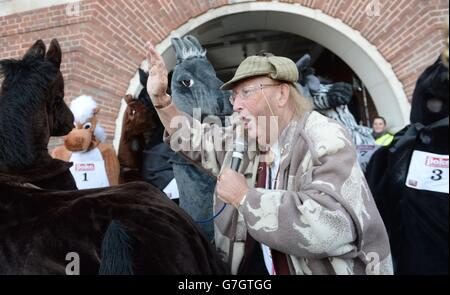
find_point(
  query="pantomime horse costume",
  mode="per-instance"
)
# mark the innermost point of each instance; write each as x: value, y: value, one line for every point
x: 409, y: 179
x: 95, y: 162
x: 128, y: 229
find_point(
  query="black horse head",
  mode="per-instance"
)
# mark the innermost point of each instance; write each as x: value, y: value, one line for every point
x: 430, y: 98
x: 32, y: 106
x: 194, y: 81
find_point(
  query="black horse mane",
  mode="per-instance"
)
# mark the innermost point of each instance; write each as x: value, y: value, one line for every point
x: 21, y: 94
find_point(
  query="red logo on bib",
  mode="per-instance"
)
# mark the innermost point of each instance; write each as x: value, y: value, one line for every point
x: 436, y: 162
x: 85, y: 167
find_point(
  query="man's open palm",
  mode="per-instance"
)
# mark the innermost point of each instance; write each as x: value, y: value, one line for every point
x: 157, y: 80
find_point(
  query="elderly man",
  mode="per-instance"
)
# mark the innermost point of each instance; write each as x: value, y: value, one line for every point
x: 299, y: 204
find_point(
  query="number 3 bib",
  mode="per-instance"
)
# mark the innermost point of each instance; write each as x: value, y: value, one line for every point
x: 429, y: 172
x: 89, y: 170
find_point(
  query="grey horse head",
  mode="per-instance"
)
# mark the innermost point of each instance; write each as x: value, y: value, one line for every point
x: 194, y: 81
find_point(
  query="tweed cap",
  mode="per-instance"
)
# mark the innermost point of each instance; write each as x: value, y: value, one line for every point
x: 275, y: 67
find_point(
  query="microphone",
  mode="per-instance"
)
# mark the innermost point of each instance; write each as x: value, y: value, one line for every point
x: 239, y: 149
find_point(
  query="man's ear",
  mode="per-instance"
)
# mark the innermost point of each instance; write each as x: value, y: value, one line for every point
x: 284, y: 97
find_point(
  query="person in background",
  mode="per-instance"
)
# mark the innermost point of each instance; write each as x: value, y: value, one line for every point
x: 382, y: 136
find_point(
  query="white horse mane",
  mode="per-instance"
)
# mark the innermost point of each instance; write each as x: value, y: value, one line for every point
x: 83, y: 108
x: 187, y: 53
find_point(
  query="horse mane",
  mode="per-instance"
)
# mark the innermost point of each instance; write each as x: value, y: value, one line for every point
x: 83, y: 108
x: 22, y: 92
x: 188, y: 53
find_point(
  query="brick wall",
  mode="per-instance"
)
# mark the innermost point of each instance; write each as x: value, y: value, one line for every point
x: 103, y: 46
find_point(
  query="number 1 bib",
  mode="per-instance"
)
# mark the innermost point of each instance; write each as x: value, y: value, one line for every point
x: 429, y: 172
x: 89, y: 170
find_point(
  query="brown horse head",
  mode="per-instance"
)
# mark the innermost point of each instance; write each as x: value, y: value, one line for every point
x: 137, y: 118
x: 88, y: 133
x: 137, y: 121
x: 141, y: 129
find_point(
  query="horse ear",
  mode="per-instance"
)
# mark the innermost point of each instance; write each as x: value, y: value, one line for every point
x: 128, y: 99
x: 36, y: 51
x: 96, y: 111
x: 178, y: 45
x: 54, y: 54
x: 143, y: 76
x: 304, y: 63
x: 189, y: 39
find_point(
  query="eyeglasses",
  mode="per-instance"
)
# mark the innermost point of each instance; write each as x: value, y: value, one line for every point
x: 245, y: 93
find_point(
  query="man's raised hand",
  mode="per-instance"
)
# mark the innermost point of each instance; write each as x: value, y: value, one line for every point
x: 157, y: 79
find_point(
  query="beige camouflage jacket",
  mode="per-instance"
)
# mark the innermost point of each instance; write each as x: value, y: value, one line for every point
x: 322, y: 214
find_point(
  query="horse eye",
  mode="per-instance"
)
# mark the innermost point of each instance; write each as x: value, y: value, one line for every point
x: 87, y: 126
x: 187, y: 83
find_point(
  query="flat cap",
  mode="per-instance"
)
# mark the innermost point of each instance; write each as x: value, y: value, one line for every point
x: 275, y: 67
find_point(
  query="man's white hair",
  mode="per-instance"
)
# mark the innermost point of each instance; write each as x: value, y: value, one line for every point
x: 83, y: 108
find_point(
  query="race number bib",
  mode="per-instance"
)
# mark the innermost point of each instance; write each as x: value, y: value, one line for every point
x: 429, y: 172
x: 88, y: 170
x: 171, y: 190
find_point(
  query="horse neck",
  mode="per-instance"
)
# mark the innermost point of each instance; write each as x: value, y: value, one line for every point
x: 40, y: 138
x: 27, y: 142
x: 128, y: 157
